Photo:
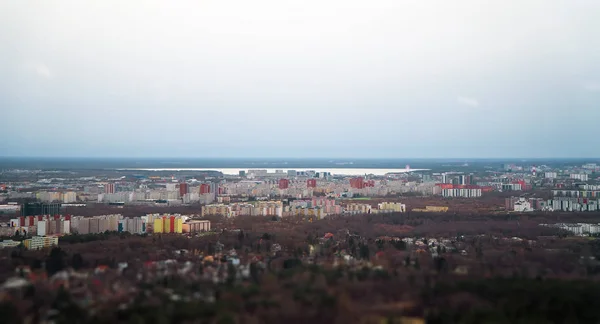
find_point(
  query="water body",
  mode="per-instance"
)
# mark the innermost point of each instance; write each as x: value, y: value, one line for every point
x: 334, y: 171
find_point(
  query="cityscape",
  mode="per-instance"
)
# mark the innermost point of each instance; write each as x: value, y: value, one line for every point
x: 203, y: 225
x: 273, y: 161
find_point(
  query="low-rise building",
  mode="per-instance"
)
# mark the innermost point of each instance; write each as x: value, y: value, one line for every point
x: 40, y: 242
x: 196, y: 226
x: 9, y: 243
x: 391, y: 206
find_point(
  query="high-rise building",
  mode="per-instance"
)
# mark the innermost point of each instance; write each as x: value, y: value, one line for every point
x: 109, y: 188
x: 69, y: 197
x: 183, y: 189
x: 284, y: 183
x: 357, y: 183
x: 204, y: 188
x: 444, y: 178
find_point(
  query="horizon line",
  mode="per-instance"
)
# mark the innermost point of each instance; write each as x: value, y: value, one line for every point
x: 297, y: 158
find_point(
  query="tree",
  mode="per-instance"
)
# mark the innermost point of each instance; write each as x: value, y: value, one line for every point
x: 55, y: 261
x: 440, y: 264
x: 77, y: 261
x: 364, y: 251
x: 230, y: 274
x: 291, y: 263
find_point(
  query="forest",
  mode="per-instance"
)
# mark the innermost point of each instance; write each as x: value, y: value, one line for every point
x: 386, y: 268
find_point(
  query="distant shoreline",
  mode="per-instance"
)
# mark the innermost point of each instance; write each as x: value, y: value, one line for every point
x: 334, y: 171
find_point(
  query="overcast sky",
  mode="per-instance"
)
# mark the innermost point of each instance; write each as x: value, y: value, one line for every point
x: 311, y: 78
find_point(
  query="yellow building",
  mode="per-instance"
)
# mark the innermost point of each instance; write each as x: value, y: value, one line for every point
x: 158, y: 225
x: 394, y: 207
x: 40, y: 242
x: 432, y: 209
x: 178, y: 225
x: 166, y: 225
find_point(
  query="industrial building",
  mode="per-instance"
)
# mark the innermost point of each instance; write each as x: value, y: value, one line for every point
x: 33, y: 209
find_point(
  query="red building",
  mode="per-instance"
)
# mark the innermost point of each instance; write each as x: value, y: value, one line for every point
x: 109, y: 188
x: 445, y: 185
x: 284, y: 183
x: 204, y: 188
x: 183, y: 189
x: 357, y: 183
x: 311, y: 183
x: 172, y: 224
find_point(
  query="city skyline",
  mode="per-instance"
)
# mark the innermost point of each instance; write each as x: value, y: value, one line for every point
x: 395, y: 79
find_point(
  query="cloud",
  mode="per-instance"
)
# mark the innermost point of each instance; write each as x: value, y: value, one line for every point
x: 39, y: 69
x: 466, y: 101
x: 592, y: 86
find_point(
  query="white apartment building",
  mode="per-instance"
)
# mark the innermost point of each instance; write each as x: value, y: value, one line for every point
x: 9, y: 244
x: 465, y: 193
x: 579, y: 176
x: 522, y: 205
x: 69, y: 197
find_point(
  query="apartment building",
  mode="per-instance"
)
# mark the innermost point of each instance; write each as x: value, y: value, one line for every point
x: 309, y: 213
x: 168, y: 224
x: 391, y: 207
x: 9, y: 244
x: 576, y: 193
x: 95, y: 224
x: 465, y: 193
x: 355, y: 208
x: 53, y: 227
x: 579, y: 176
x: 196, y: 226
x: 216, y: 209
x: 40, y: 242
x: 134, y: 225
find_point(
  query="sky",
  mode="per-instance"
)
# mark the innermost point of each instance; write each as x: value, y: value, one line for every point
x: 279, y: 78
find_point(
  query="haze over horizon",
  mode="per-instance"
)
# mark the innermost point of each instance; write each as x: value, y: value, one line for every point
x: 272, y: 78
